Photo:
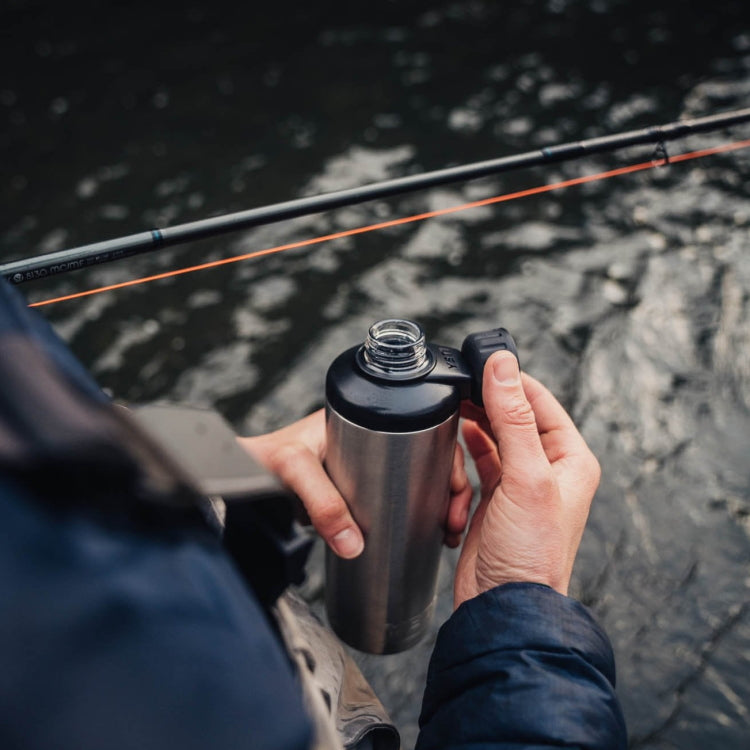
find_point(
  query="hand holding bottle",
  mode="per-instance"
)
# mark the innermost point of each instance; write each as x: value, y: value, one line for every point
x: 538, y: 478
x: 296, y: 454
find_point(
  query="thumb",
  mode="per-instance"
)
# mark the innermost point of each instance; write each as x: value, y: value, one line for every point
x: 512, y: 419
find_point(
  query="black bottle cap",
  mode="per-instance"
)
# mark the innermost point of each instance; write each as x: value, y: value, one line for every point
x: 415, y: 385
x: 387, y: 405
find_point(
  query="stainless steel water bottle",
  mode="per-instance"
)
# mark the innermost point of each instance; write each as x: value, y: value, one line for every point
x: 392, y: 410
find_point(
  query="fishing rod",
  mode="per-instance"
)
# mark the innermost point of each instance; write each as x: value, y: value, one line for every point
x: 51, y: 264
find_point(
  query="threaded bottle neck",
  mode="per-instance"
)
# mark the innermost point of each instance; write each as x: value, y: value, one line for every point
x: 395, y: 349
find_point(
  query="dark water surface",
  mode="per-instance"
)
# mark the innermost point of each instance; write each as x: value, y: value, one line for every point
x: 630, y: 298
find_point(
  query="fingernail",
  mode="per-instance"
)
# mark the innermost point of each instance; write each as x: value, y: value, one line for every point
x: 348, y: 543
x: 505, y: 369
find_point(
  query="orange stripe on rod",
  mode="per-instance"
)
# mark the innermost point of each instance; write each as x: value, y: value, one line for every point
x: 735, y: 146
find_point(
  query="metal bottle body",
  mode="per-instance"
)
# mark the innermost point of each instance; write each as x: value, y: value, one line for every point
x: 392, y: 410
x: 397, y: 487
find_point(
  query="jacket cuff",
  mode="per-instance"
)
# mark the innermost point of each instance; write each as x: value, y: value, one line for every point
x: 521, y: 666
x: 528, y: 616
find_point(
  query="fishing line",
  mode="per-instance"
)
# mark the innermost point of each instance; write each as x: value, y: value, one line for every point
x: 661, y: 159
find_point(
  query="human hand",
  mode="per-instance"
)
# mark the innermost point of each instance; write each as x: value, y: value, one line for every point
x: 538, y: 478
x: 296, y: 454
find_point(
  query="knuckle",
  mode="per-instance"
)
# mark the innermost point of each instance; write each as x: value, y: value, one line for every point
x: 330, y: 514
x: 518, y: 413
x: 594, y: 470
x: 287, y: 455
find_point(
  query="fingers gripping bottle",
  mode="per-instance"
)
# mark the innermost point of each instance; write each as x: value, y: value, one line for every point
x: 392, y: 410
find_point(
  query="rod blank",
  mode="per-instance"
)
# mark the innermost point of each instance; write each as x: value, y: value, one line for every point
x: 97, y: 253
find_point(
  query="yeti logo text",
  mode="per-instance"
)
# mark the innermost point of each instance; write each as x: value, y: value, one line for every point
x: 448, y: 357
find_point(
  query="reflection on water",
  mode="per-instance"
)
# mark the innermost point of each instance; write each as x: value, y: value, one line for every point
x: 628, y: 297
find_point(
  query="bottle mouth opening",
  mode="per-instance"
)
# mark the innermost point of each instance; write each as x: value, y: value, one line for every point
x: 395, y: 349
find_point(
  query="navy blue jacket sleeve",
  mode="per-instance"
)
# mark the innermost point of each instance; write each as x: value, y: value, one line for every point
x: 521, y: 666
x: 118, y: 631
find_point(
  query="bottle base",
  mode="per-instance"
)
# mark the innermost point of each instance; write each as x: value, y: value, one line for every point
x: 384, y: 638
